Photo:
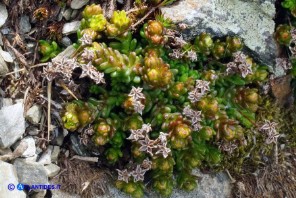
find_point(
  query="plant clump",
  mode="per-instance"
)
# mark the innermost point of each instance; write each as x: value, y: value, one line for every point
x: 158, y: 106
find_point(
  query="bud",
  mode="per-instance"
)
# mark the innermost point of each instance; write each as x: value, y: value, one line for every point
x: 207, y: 133
x: 98, y: 22
x: 182, y: 130
x: 178, y: 143
x: 154, y: 32
x: 218, y: 50
x: 283, y: 35
x: 100, y: 140
x: 113, y: 154
x: 120, y: 20
x: 103, y: 129
x: 233, y: 44
x: 163, y: 185
x: 91, y: 10
x: 130, y: 188
x: 210, y: 75
x: 204, y: 43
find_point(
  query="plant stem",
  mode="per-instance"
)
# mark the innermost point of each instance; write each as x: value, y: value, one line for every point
x: 49, y: 86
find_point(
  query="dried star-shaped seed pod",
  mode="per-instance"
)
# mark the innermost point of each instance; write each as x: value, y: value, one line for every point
x: 192, y: 56
x: 147, y: 145
x: 88, y: 55
x: 176, y: 54
x: 123, y: 175
x: 136, y: 93
x: 202, y: 85
x: 239, y: 57
x: 164, y: 150
x: 49, y: 72
x: 195, y: 96
x: 90, y: 71
x: 245, y: 69
x: 136, y: 135
x: 86, y: 39
x: 231, y: 68
x: 146, y: 128
x: 138, y: 173
x: 163, y: 137
x: 138, y: 107
x: 228, y: 146
x: 272, y: 138
x: 269, y: 127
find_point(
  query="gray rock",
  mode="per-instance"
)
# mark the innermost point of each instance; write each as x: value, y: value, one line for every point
x: 250, y: 20
x: 66, y: 41
x: 3, y: 67
x: 9, y: 176
x: 74, y: 14
x: 3, y: 14
x: 31, y: 149
x: 46, y: 156
x: 6, y: 102
x: 30, y: 172
x: 67, y: 14
x: 33, y: 115
x: 6, y: 56
x: 1, y: 42
x: 71, y: 27
x: 52, y: 170
x: 77, y: 4
x: 40, y: 194
x: 210, y: 186
x: 55, y: 153
x: 58, y: 136
x: 25, y: 25
x: 12, y: 124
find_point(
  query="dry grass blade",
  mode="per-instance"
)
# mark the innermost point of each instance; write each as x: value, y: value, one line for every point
x: 49, y: 87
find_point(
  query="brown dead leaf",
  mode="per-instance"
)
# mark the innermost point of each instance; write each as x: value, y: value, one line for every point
x: 281, y: 89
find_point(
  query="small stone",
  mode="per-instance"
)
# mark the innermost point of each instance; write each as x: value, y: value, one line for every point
x: 66, y: 41
x: 71, y: 27
x: 1, y: 42
x: 58, y: 136
x: 55, y: 153
x: 6, y: 102
x: 6, y: 56
x: 46, y: 156
x: 52, y: 170
x: 68, y: 52
x: 67, y: 14
x: 9, y: 176
x: 6, y: 31
x: 30, y: 173
x: 25, y: 25
x: 74, y: 14
x: 12, y: 124
x: 31, y: 149
x: 3, y: 14
x: 33, y: 115
x: 32, y: 130
x: 77, y: 4
x: 3, y: 67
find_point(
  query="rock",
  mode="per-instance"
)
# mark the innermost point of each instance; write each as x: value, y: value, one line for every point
x: 12, y: 124
x: 9, y: 177
x: 31, y: 149
x: 250, y: 20
x: 66, y: 41
x: 33, y: 115
x: 77, y: 4
x: 74, y: 14
x: 71, y: 27
x: 1, y: 42
x: 46, y: 156
x: 6, y: 102
x: 60, y: 193
x: 25, y: 25
x: 3, y: 67
x: 3, y: 14
x: 210, y: 186
x: 55, y: 153
x: 32, y: 130
x: 52, y: 170
x: 30, y: 172
x: 6, y: 56
x: 67, y: 14
x: 77, y: 146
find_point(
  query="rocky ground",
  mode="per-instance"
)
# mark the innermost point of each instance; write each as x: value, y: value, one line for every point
x: 25, y: 154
